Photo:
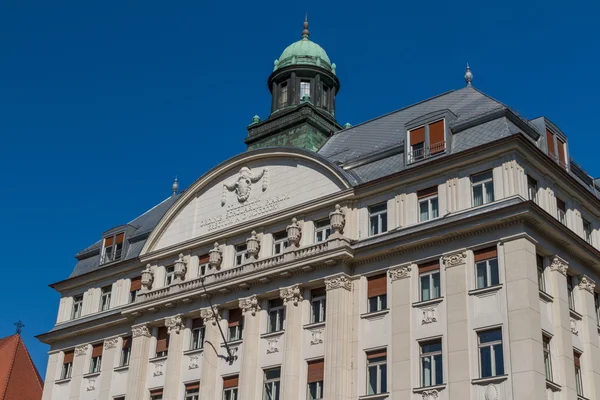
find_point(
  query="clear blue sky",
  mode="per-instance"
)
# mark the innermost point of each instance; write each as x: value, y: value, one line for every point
x: 102, y: 103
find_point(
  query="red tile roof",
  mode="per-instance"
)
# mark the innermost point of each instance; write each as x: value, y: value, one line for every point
x: 19, y: 379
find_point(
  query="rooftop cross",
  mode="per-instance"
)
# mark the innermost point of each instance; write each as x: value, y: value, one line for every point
x: 20, y: 325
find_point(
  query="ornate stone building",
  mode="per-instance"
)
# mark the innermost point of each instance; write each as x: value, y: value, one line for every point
x: 444, y: 251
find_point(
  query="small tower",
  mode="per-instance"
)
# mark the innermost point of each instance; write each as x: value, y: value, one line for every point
x: 303, y: 88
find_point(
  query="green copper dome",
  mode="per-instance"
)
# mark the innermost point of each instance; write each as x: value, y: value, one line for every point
x: 304, y: 51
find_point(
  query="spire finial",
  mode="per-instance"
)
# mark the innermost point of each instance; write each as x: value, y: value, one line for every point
x: 20, y: 325
x: 175, y: 186
x: 305, y: 32
x: 468, y: 76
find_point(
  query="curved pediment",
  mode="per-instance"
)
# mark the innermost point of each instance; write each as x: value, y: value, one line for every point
x: 245, y: 188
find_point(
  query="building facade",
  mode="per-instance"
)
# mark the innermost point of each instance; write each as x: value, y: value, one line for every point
x: 444, y: 251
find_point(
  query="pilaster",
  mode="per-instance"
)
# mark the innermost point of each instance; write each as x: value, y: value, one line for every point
x: 81, y: 353
x: 292, y: 350
x: 210, y: 360
x: 589, y: 337
x: 111, y: 347
x: 50, y: 375
x: 249, y: 371
x: 173, y: 385
x: 338, y: 338
x: 401, y: 331
x: 138, y: 365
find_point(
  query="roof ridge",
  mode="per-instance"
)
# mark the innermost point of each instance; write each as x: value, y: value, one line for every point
x: 32, y: 364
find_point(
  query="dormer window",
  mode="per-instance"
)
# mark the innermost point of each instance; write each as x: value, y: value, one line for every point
x: 426, y: 141
x: 557, y: 148
x: 283, y: 95
x: 112, y: 248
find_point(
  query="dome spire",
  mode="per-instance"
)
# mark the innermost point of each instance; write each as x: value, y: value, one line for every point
x: 468, y: 76
x: 305, y: 32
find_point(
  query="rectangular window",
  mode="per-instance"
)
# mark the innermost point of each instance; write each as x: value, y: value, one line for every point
x: 192, y: 391
x: 578, y: 378
x: 486, y: 265
x: 136, y: 285
x: 169, y: 275
x: 280, y: 242
x: 587, y: 231
x: 304, y: 89
x: 437, y: 139
x: 377, y: 219
x: 67, y: 367
x: 561, y: 211
x: 570, y: 296
x: 428, y: 203
x: 550, y: 144
x: 429, y: 281
x: 417, y: 144
x: 203, y: 265
x: 283, y: 98
x: 197, y: 339
x: 230, y: 387
x: 377, y: 372
x: 597, y: 303
x: 547, y: 358
x: 432, y: 370
x: 105, y: 298
x: 241, y: 254
x: 322, y: 230
x: 236, y: 325
x: 125, y: 352
x: 77, y: 307
x: 491, y: 356
x: 96, y: 362
x: 325, y: 97
x: 276, y: 315
x: 377, y: 292
x: 540, y: 272
x: 272, y: 383
x: 318, y: 304
x: 162, y: 342
x: 427, y: 141
x: 562, y: 158
x: 483, y: 188
x: 112, y: 248
x: 532, y: 189
x: 156, y: 394
x: 315, y: 379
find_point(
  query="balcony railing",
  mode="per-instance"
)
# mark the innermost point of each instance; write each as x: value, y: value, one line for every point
x: 423, y: 153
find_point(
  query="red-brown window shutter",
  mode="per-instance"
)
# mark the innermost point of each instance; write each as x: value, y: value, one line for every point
x: 561, y: 151
x: 108, y: 241
x: 318, y: 292
x: 156, y: 392
x: 235, y: 317
x: 576, y: 359
x: 436, y: 137
x: 68, y: 358
x: 376, y: 354
x: 486, y: 254
x: 120, y: 237
x: 550, y: 141
x: 136, y: 283
x: 429, y: 266
x: 127, y: 342
x: 432, y: 191
x: 377, y: 285
x: 192, y: 386
x: 417, y: 136
x: 203, y: 259
x: 97, y: 350
x: 197, y: 323
x: 316, y: 371
x: 230, y: 382
x: 162, y: 339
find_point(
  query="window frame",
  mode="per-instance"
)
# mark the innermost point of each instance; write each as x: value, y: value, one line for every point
x: 322, y: 230
x: 578, y: 374
x: 280, y: 242
x: 277, y: 312
x: 125, y: 354
x: 379, y: 364
x: 197, y: 337
x: 67, y: 370
x: 272, y: 382
x: 232, y: 391
x: 116, y: 252
x: 491, y: 345
x: 95, y: 364
x: 105, y: 296
x: 541, y: 272
x: 430, y: 356
x: 241, y: 254
x: 380, y: 212
x: 430, y: 208
x: 318, y: 385
x: 192, y: 395
x: 169, y: 275
x: 547, y: 350
x: 484, y: 189
x: 430, y: 275
x: 77, y: 307
x: 489, y: 273
x: 321, y: 302
x: 283, y: 95
x: 533, y: 194
x: 305, y: 88
x: 597, y: 307
x: 571, y: 293
x: 587, y: 231
x: 425, y: 147
x: 237, y: 330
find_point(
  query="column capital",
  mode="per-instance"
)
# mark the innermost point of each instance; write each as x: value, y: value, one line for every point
x: 250, y: 304
x: 586, y: 283
x: 111, y: 343
x: 291, y: 294
x: 455, y: 259
x: 209, y: 315
x: 397, y: 273
x: 337, y: 282
x: 140, y: 330
x: 81, y: 350
x: 174, y: 324
x: 560, y: 265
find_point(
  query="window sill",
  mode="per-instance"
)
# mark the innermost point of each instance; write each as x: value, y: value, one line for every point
x: 155, y: 359
x: 193, y: 351
x: 489, y: 379
x: 122, y: 368
x: 546, y: 297
x: 374, y: 396
x: 375, y: 314
x: 272, y: 334
x: 575, y: 314
x: 484, y: 290
x: 91, y: 374
x: 555, y: 387
x: 314, y: 325
x: 233, y: 342
x: 422, y: 389
x: 424, y: 303
x: 63, y: 380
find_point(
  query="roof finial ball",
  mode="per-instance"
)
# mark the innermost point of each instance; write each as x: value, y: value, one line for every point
x: 468, y: 76
x: 175, y: 187
x: 305, y: 32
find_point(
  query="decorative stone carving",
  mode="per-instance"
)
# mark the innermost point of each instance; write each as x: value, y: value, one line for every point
x: 317, y: 337
x: 250, y: 305
x: 253, y: 245
x: 111, y: 343
x: 242, y: 185
x: 174, y: 324
x: 294, y: 233
x: 456, y: 259
x: 179, y: 268
x: 91, y: 384
x: 428, y: 315
x: 209, y: 315
x: 194, y: 362
x: 560, y: 265
x: 585, y: 283
x: 492, y: 392
x: 338, y: 282
x: 147, y: 278
x: 430, y: 394
x: 337, y: 220
x: 292, y: 294
x: 141, y: 330
x: 81, y: 350
x: 399, y: 273
x: 272, y: 345
x: 215, y: 257
x: 158, y: 369
x: 574, y: 329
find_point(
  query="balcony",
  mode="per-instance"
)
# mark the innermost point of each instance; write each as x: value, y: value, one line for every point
x: 420, y: 152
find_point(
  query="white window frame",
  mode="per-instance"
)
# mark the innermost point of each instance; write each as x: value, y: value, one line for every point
x: 381, y: 216
x: 277, y: 312
x: 483, y: 182
x: 77, y: 307
x: 430, y: 208
x: 322, y: 230
x: 597, y: 304
x: 235, y: 332
x: 570, y: 293
x: 587, y: 231
x: 431, y: 357
x: 202, y: 269
x: 125, y: 356
x: 430, y: 274
x: 379, y: 301
x: 561, y: 215
x: 532, y: 189
x: 488, y: 273
x: 232, y: 392
x: 169, y: 275
x: 280, y: 242
x: 547, y: 349
x: 321, y: 303
x: 578, y: 378
x: 491, y: 345
x: 95, y: 364
x: 111, y: 255
x: 378, y: 370
x: 318, y: 385
x: 241, y: 254
x: 541, y: 269
x: 66, y: 371
x: 195, y: 395
x: 197, y: 338
x: 272, y: 382
x: 106, y: 294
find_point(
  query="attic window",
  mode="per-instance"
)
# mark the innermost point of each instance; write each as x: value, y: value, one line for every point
x: 427, y: 141
x: 557, y: 148
x: 112, y: 247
